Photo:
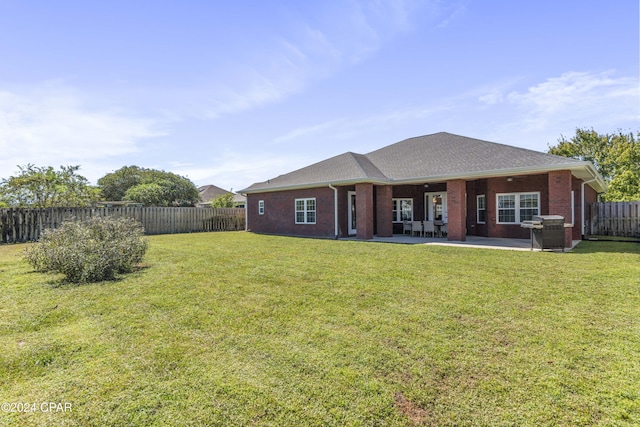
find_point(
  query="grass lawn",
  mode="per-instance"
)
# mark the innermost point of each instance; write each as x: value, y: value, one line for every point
x: 243, y: 329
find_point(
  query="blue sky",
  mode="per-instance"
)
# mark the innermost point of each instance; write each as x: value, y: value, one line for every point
x: 230, y: 93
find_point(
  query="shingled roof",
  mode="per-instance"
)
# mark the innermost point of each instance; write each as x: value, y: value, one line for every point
x: 430, y: 158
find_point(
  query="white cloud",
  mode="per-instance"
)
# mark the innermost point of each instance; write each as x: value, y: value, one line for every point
x: 358, y: 129
x: 308, y: 51
x: 561, y: 104
x: 233, y: 170
x: 531, y: 117
x: 50, y: 124
x: 575, y: 90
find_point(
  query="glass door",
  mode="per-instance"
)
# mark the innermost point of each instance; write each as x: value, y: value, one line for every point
x: 436, y: 204
x: 352, y: 212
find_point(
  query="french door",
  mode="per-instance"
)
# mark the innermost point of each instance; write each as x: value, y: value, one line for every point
x: 352, y: 212
x: 436, y: 204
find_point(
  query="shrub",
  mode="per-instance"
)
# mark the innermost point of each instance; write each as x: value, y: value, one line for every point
x: 90, y: 251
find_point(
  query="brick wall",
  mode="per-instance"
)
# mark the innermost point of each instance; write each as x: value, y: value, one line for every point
x: 384, y: 209
x: 457, y: 209
x: 364, y: 211
x: 560, y: 199
x: 279, y: 213
x: 519, y: 184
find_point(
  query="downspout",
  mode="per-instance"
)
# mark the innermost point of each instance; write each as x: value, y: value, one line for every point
x: 582, y: 207
x: 335, y: 208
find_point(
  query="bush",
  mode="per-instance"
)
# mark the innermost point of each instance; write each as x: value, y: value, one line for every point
x: 90, y: 251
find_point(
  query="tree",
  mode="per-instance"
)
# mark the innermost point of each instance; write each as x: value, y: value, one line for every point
x: 615, y: 156
x: 44, y: 187
x: 115, y: 184
x: 149, y: 186
x: 151, y: 194
x: 223, y: 201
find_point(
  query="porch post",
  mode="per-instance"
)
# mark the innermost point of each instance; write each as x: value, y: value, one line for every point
x: 457, y: 209
x: 384, y: 208
x: 560, y: 200
x: 364, y: 211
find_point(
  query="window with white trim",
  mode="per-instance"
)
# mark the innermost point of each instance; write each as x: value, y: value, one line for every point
x: 481, y: 207
x: 306, y: 211
x: 260, y: 207
x: 513, y: 208
x: 402, y: 210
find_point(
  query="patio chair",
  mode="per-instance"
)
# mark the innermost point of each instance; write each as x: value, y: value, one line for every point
x: 443, y: 229
x: 428, y: 228
x: 406, y: 226
x: 416, y: 227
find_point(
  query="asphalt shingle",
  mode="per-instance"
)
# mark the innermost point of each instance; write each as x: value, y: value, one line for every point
x: 428, y: 157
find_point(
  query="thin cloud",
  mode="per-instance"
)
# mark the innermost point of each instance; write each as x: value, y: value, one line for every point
x: 308, y: 51
x: 238, y: 171
x: 51, y: 124
x: 580, y: 96
x: 541, y: 113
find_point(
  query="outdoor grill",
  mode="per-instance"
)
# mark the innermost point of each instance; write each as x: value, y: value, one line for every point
x: 547, y: 231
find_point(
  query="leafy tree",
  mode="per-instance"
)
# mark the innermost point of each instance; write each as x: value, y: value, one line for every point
x: 44, y: 187
x: 151, y: 194
x: 149, y: 186
x: 114, y: 185
x: 223, y: 201
x: 615, y: 156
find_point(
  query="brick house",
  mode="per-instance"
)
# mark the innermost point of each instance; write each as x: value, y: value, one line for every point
x: 477, y: 187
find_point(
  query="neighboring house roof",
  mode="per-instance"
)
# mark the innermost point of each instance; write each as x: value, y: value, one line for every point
x: 430, y: 158
x: 210, y: 192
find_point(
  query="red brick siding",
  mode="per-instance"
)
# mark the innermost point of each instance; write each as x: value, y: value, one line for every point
x: 343, y: 210
x: 474, y: 189
x: 384, y: 210
x: 560, y: 199
x: 279, y: 213
x: 520, y: 184
x: 457, y: 209
x: 364, y: 211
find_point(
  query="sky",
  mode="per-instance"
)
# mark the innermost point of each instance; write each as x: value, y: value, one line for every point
x: 236, y: 92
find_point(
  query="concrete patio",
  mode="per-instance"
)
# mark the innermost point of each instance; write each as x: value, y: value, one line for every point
x: 471, y: 242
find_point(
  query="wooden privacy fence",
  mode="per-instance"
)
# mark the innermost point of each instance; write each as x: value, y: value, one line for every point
x: 618, y: 219
x: 23, y: 225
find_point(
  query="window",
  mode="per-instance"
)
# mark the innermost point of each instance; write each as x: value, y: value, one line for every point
x: 260, y: 207
x: 517, y: 207
x: 305, y: 211
x: 482, y: 208
x: 402, y: 210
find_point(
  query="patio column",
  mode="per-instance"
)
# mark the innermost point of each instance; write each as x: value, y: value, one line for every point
x: 457, y: 209
x: 384, y: 210
x: 364, y: 211
x: 560, y: 200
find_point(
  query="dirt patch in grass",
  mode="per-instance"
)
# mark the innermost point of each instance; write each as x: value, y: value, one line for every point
x: 409, y: 409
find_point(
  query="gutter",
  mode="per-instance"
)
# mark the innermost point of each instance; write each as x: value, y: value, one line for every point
x: 335, y: 214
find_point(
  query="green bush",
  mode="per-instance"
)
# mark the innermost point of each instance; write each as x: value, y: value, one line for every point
x: 90, y: 251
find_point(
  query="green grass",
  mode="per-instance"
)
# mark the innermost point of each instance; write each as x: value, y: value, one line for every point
x: 243, y: 329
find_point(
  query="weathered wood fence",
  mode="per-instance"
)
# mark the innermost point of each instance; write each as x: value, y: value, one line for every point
x: 617, y: 219
x: 23, y: 225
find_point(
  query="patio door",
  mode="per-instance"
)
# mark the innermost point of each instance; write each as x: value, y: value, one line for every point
x: 352, y: 212
x: 436, y: 204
